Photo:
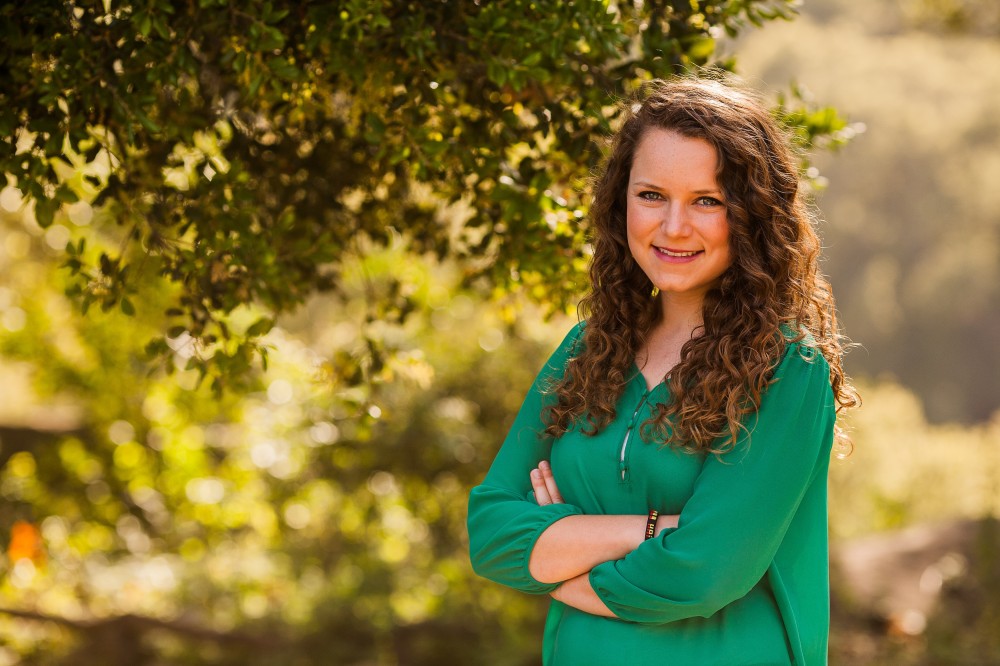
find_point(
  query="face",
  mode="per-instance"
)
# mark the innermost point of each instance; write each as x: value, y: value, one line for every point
x: 676, y: 214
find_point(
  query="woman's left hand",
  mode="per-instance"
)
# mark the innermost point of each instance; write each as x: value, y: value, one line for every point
x: 544, y: 485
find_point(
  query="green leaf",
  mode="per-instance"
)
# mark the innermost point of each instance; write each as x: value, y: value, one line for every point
x: 127, y: 307
x: 107, y: 265
x: 146, y: 121
x: 283, y: 69
x: 255, y: 83
x: 155, y: 347
x: 45, y: 211
x: 497, y: 72
x: 702, y: 49
x: 374, y: 128
x: 271, y: 40
x: 260, y: 327
x: 64, y: 194
x: 161, y: 28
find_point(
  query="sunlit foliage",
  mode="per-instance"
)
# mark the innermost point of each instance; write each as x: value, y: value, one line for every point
x: 239, y: 150
x: 303, y: 517
x: 903, y: 470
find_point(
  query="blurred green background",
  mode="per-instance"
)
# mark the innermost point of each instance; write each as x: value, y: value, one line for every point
x: 240, y: 421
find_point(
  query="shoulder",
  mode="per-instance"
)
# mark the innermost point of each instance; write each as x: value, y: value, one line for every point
x: 802, y: 369
x: 572, y: 343
x: 799, y: 342
x: 569, y: 348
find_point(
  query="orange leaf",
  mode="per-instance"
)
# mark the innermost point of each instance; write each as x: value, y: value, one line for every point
x: 25, y: 542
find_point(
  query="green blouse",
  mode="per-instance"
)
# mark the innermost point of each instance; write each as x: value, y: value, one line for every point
x: 743, y: 579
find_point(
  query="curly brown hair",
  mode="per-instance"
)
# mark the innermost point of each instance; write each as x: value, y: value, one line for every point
x: 772, y: 284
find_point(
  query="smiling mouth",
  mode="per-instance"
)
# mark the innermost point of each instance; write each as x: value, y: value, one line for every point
x: 677, y: 253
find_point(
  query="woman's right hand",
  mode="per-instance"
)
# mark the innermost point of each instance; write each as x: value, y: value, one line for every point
x: 573, y: 545
x: 547, y: 492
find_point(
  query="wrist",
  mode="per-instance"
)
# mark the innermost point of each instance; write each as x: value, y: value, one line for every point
x: 652, y: 520
x: 665, y: 522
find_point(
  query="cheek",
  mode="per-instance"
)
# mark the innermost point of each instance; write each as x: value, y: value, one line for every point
x: 638, y: 232
x: 633, y: 241
x: 720, y: 232
x: 639, y: 221
x: 720, y: 239
x: 632, y: 226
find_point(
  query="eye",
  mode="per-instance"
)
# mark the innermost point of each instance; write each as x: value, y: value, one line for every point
x: 708, y: 201
x: 649, y: 195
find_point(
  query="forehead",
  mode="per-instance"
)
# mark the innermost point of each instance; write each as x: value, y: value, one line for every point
x: 666, y: 155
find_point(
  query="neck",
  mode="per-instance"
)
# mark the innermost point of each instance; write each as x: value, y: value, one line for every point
x: 661, y: 350
x: 681, y: 314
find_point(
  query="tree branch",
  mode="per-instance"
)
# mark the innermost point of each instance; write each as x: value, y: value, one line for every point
x: 131, y: 623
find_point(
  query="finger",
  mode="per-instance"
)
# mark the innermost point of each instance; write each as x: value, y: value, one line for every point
x: 538, y: 485
x: 550, y: 482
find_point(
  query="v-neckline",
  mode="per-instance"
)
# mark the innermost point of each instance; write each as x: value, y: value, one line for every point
x: 647, y: 389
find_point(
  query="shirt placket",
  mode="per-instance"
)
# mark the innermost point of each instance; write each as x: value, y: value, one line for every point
x: 623, y: 452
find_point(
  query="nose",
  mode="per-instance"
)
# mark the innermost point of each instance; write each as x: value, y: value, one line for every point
x: 675, y: 222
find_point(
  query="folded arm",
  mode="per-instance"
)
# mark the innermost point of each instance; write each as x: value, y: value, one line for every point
x: 519, y: 534
x: 569, y: 548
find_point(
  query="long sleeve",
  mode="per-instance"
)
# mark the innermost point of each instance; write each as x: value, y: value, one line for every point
x: 504, y: 520
x: 740, y: 509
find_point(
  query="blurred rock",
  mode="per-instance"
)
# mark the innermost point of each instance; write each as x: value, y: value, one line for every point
x: 917, y: 595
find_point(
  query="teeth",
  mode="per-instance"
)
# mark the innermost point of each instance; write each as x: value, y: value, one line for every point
x: 676, y: 254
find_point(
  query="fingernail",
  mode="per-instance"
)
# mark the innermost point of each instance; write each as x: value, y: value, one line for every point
x: 535, y: 474
x: 544, y: 464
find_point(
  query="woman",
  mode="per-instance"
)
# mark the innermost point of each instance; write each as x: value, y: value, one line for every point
x: 665, y: 479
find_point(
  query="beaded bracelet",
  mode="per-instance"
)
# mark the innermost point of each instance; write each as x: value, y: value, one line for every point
x: 651, y: 523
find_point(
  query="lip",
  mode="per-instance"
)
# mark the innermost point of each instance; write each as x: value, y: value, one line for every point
x: 676, y: 256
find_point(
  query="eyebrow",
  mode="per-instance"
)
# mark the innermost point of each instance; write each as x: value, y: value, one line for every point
x: 643, y: 183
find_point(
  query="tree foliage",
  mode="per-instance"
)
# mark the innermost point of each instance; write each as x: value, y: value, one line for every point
x: 240, y: 150
x: 294, y: 524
